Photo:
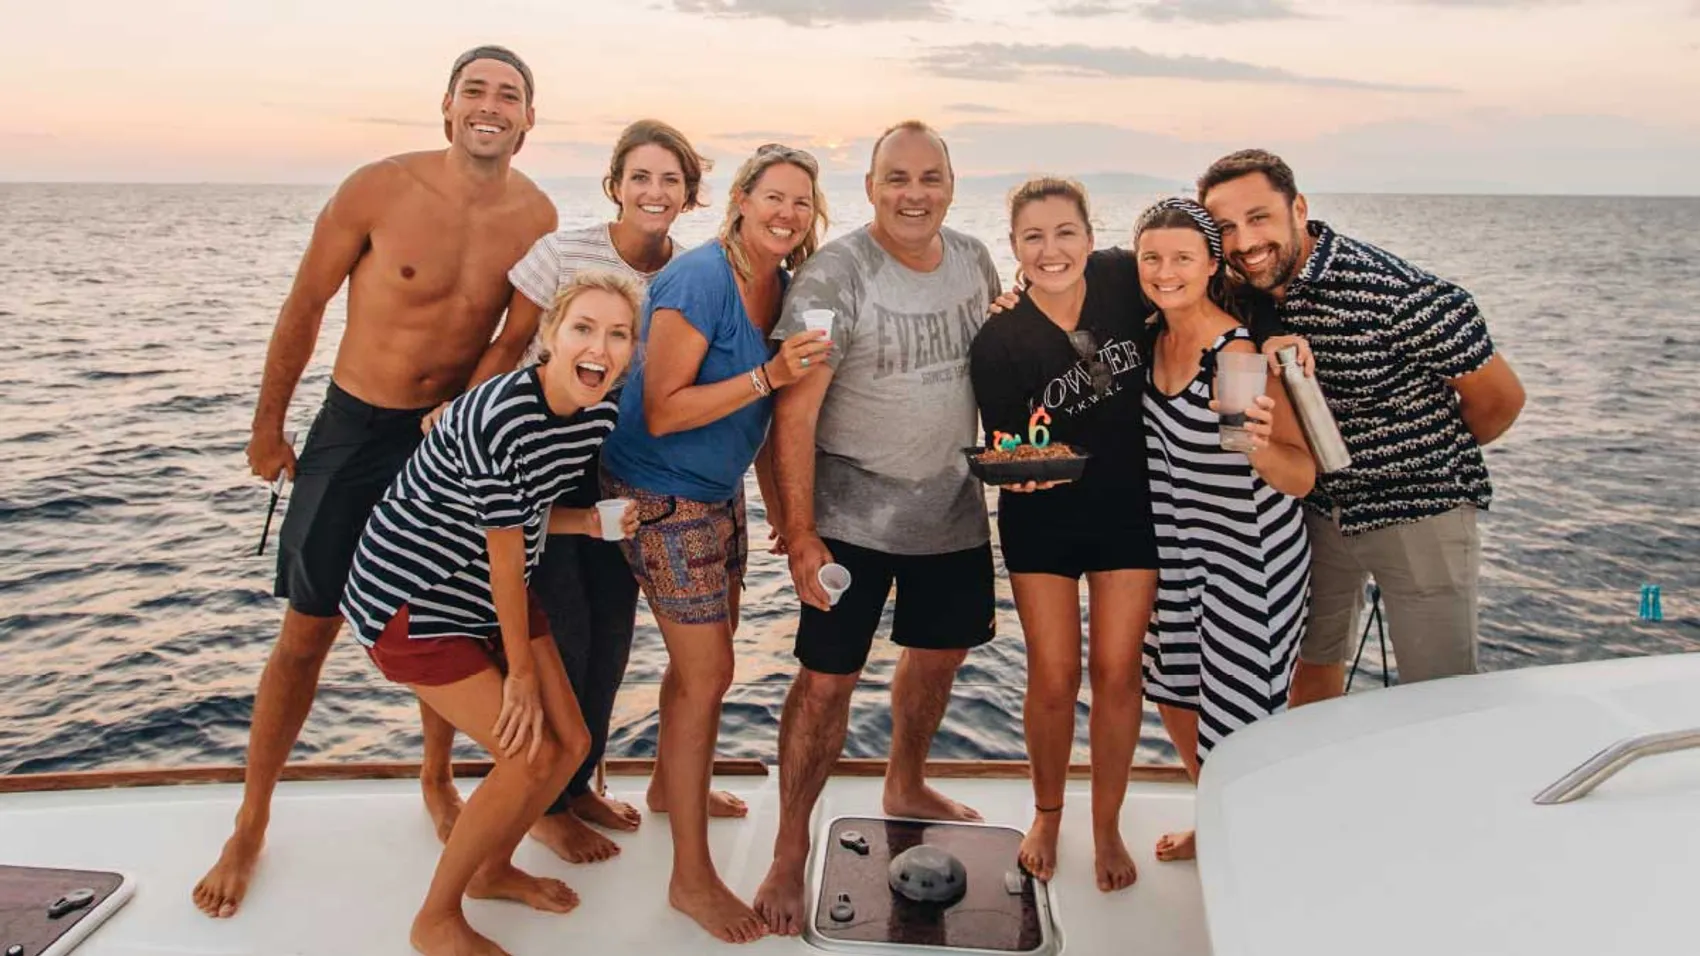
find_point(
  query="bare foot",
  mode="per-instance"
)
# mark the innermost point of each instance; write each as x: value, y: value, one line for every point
x: 1177, y: 846
x: 928, y: 804
x: 594, y: 808
x: 718, y: 910
x: 507, y: 882
x: 572, y: 840
x: 442, y: 802
x: 450, y: 935
x: 720, y: 803
x: 779, y: 902
x: 1114, y: 864
x: 220, y: 892
x: 1038, y: 853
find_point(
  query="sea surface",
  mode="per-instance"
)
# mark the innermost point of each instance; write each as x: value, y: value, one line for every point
x: 135, y: 616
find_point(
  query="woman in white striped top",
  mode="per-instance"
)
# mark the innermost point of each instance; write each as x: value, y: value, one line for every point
x: 583, y: 583
x: 438, y: 591
x: 1233, y: 560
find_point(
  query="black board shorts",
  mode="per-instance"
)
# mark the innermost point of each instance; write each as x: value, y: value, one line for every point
x: 944, y: 602
x: 353, y: 453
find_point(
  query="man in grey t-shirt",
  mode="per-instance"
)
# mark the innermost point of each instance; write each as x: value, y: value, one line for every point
x: 869, y: 465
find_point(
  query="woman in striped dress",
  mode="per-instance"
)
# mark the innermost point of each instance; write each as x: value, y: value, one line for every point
x: 1233, y: 560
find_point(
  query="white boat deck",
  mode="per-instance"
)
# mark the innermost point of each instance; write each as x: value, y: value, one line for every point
x: 347, y: 864
x: 1402, y: 822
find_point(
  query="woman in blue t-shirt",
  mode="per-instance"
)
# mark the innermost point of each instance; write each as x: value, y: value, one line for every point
x: 694, y: 418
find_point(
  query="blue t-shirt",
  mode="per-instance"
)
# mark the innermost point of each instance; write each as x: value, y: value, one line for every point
x: 705, y: 463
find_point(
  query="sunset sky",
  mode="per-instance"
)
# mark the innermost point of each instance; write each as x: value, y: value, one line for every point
x: 1421, y: 95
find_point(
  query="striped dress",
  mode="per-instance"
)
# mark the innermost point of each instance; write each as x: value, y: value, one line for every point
x: 1234, y: 568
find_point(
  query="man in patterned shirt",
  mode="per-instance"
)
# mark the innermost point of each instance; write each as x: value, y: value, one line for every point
x: 1417, y: 387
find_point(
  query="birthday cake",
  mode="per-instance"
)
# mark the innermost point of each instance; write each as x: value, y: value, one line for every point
x: 1025, y: 453
x: 1026, y: 462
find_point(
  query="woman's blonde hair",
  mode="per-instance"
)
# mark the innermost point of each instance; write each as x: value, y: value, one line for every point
x: 748, y: 175
x: 602, y: 280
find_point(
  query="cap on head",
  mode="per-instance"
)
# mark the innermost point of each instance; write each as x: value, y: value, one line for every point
x: 500, y: 54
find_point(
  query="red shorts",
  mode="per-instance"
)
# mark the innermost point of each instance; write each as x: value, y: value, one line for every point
x: 435, y: 661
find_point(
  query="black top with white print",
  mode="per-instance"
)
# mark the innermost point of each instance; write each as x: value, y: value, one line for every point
x: 1021, y: 361
x: 1387, y: 338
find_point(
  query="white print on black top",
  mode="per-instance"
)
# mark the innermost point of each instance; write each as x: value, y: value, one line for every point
x: 1071, y: 392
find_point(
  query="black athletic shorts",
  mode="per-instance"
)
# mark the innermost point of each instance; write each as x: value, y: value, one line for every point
x: 1029, y: 548
x: 353, y: 452
x: 944, y: 602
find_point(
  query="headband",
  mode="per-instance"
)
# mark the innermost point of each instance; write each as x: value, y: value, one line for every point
x: 1200, y: 216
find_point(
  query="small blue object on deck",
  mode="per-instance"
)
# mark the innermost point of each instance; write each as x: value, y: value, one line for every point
x: 1652, y: 608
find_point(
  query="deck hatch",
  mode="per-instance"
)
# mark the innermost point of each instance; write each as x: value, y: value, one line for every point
x: 859, y: 908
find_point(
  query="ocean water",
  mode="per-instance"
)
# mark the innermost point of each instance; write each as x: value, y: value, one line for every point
x: 135, y: 618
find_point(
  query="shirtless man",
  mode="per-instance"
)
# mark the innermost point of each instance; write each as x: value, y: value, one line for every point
x: 425, y: 241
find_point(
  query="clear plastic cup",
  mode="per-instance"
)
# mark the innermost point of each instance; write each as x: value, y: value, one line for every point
x: 835, y: 578
x: 1240, y: 379
x: 818, y: 320
x: 610, y: 511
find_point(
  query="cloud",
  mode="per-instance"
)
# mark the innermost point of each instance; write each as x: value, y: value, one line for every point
x: 980, y: 109
x: 1007, y: 62
x: 1190, y: 11
x: 804, y: 13
x: 1492, y: 4
x: 1089, y: 8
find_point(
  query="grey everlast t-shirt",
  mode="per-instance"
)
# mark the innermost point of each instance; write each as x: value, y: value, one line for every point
x: 889, y: 469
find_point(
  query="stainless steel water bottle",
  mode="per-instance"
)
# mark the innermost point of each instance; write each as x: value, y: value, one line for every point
x: 1318, y: 423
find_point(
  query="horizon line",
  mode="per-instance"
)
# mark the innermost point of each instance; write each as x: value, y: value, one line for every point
x: 1439, y: 192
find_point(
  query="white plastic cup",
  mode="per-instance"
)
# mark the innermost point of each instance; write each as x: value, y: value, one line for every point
x: 818, y: 320
x: 610, y: 511
x: 835, y: 578
x: 1240, y: 379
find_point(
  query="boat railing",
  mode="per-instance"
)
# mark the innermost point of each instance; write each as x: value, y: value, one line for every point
x: 1607, y: 763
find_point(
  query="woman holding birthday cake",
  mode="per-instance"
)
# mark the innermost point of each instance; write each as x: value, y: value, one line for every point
x: 1064, y: 367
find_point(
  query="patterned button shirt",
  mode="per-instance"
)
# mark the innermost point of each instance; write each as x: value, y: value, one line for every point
x: 1387, y: 337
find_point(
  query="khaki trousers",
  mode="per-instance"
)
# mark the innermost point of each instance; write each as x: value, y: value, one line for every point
x: 1427, y: 571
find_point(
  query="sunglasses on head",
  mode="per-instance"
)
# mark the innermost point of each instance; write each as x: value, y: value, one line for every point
x: 790, y: 154
x: 1086, y: 346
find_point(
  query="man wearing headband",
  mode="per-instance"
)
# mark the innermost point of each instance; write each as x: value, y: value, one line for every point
x: 1417, y: 388
x: 424, y: 241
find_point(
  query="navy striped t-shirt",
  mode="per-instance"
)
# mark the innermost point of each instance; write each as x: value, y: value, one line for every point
x: 1387, y: 338
x: 498, y: 458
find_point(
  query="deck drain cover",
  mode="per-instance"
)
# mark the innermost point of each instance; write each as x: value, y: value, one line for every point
x: 924, y: 888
